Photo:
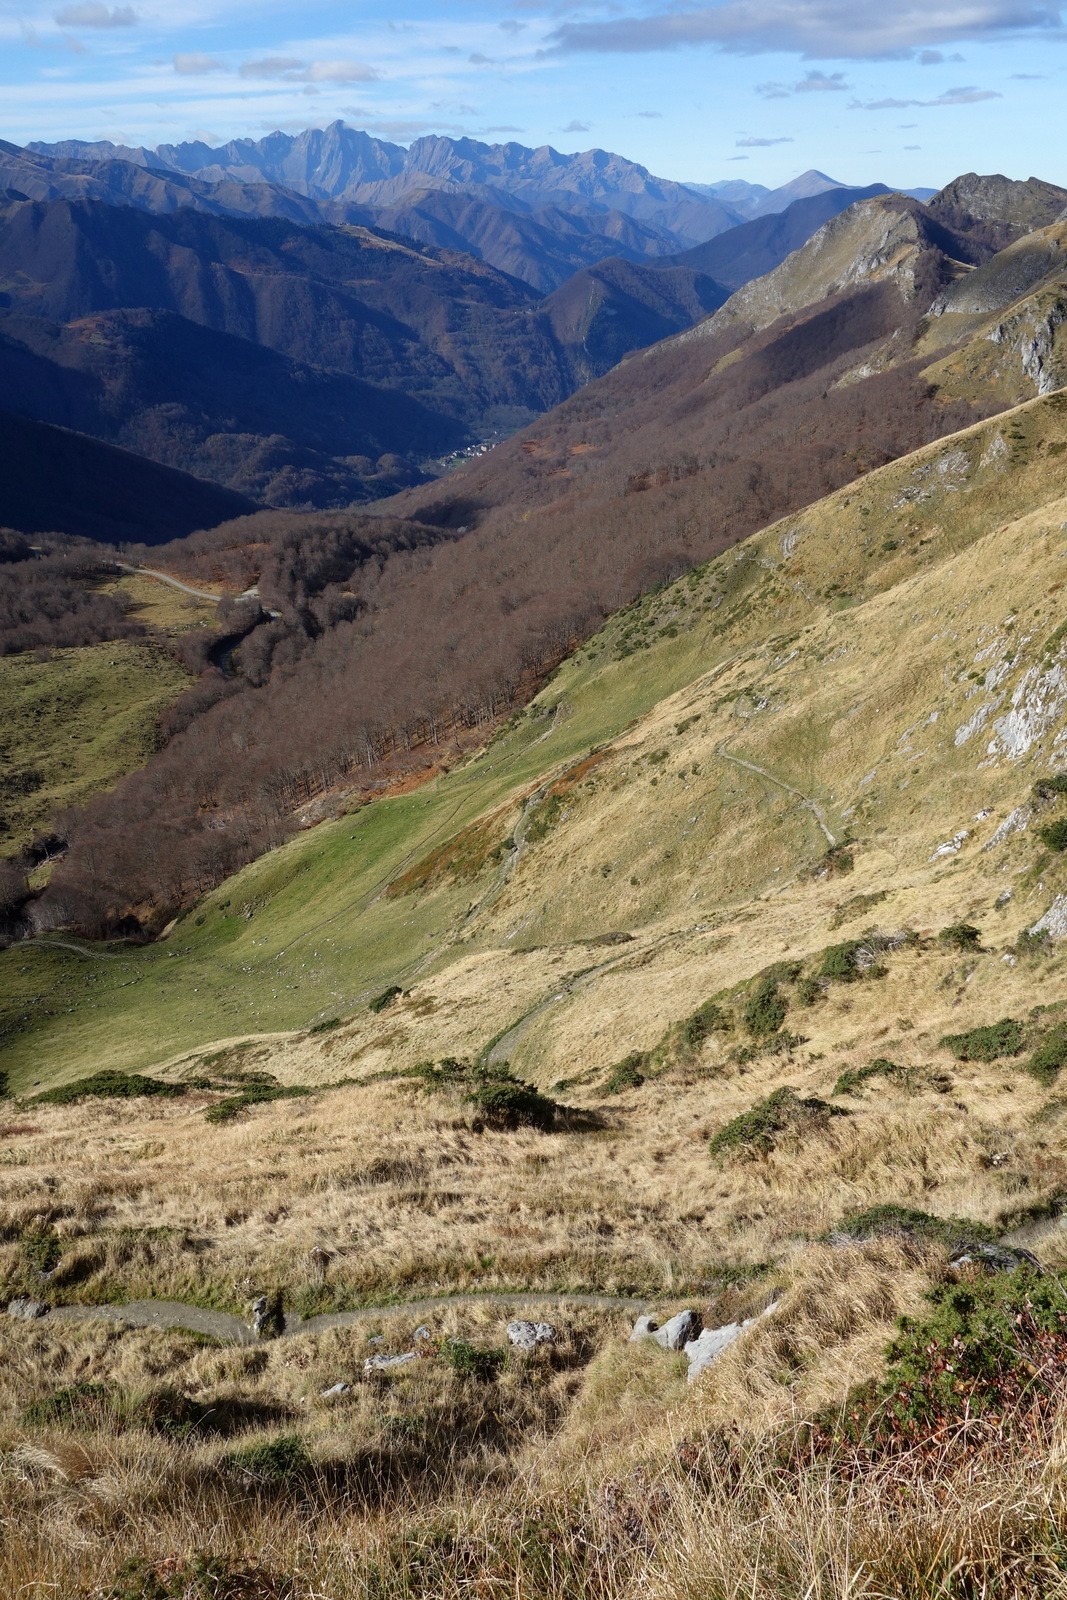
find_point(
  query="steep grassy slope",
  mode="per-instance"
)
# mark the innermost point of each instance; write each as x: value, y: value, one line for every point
x: 862, y: 658
x: 74, y: 720
x: 751, y: 888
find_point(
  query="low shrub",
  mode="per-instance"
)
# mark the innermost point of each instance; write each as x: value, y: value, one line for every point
x: 1048, y: 788
x: 510, y: 1103
x: 1054, y: 834
x: 757, y: 1131
x: 472, y: 1361
x: 706, y: 1020
x: 494, y: 1092
x: 809, y: 990
x: 987, y: 1364
x: 879, y: 1222
x: 326, y: 1026
x: 1030, y: 944
x: 991, y: 1043
x: 254, y: 1094
x: 107, y: 1085
x: 197, y: 1578
x: 1050, y: 1056
x: 386, y: 998
x: 281, y: 1463
x: 960, y: 936
x: 839, y: 962
x: 853, y: 1079
x: 765, y: 1010
x: 41, y: 1249
x: 626, y: 1074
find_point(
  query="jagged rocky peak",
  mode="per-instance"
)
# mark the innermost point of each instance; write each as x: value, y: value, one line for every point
x: 1008, y: 207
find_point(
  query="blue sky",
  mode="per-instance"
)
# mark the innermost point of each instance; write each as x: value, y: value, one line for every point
x: 902, y: 91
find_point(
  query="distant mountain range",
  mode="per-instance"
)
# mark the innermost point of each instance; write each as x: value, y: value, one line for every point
x: 314, y: 320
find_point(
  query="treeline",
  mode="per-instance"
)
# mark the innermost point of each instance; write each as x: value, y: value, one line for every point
x: 48, y: 598
x: 396, y: 638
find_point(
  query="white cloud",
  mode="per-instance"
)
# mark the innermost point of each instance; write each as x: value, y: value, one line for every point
x: 193, y: 63
x: 91, y: 14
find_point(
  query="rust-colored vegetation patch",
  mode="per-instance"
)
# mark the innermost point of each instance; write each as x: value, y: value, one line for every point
x: 459, y: 859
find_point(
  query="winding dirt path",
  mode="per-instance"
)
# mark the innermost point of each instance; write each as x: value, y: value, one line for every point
x: 805, y: 799
x: 232, y: 1330
x: 165, y: 577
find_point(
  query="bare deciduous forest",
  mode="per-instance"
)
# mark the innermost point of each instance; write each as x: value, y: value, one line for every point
x: 398, y: 638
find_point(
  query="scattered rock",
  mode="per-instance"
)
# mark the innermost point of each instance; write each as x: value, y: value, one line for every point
x: 1014, y: 822
x: 996, y: 1257
x: 388, y: 1363
x: 259, y: 1315
x: 673, y: 1335
x: 27, y: 1310
x: 423, y: 1333
x: 528, y: 1335
x: 335, y: 1391
x: 319, y: 1261
x: 951, y: 847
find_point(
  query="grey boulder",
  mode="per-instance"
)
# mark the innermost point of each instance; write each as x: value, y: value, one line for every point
x: 27, y: 1310
x: 528, y: 1335
x: 389, y: 1363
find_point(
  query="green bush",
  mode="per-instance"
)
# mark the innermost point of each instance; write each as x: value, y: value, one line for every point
x: 280, y: 1463
x: 766, y: 1010
x: 756, y: 1132
x: 839, y: 962
x: 254, y: 1094
x: 1048, y: 788
x: 326, y: 1026
x: 510, y: 1103
x: 809, y: 990
x: 705, y: 1021
x: 1054, y: 834
x: 386, y: 998
x: 1030, y: 945
x: 853, y: 1080
x: 989, y: 1361
x: 5, y: 1092
x: 471, y: 1361
x: 41, y: 1249
x: 627, y: 1073
x: 1050, y: 1057
x: 961, y: 936
x: 991, y: 1043
x: 878, y: 1222
x: 107, y: 1085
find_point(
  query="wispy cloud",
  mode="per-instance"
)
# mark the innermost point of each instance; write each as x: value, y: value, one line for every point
x: 91, y: 14
x: 863, y: 29
x: 810, y: 83
x: 291, y: 69
x: 761, y: 144
x: 968, y: 95
x: 576, y: 127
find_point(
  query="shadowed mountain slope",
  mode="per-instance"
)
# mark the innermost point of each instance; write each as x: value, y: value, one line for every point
x: 53, y: 479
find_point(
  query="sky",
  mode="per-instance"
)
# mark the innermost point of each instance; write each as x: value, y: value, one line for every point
x: 906, y: 92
